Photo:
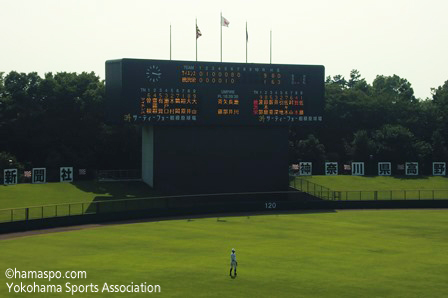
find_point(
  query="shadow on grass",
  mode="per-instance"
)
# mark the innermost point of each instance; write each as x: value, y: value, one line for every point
x: 116, y: 190
x: 124, y: 196
x: 111, y: 191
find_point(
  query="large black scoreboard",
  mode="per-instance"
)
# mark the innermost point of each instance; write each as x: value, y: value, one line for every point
x: 161, y: 92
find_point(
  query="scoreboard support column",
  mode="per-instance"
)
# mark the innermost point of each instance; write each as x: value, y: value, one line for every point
x: 148, y: 155
x: 216, y: 159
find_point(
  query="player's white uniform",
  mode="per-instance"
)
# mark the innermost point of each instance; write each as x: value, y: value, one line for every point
x: 233, y: 262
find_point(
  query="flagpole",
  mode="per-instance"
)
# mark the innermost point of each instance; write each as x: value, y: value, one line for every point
x: 246, y: 41
x: 220, y: 25
x: 170, y: 41
x: 196, y: 32
x: 270, y: 52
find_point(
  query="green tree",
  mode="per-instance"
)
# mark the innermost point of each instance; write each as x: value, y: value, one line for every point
x: 394, y: 143
x: 393, y: 89
x: 9, y: 161
x: 310, y: 149
x: 21, y: 110
x: 439, y: 146
x: 440, y: 100
x: 362, y: 146
x: 440, y: 116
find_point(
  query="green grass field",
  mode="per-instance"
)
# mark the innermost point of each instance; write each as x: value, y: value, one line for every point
x: 86, y: 192
x: 363, y: 188
x: 345, y: 182
x: 338, y: 254
x: 26, y: 195
x: 49, y: 194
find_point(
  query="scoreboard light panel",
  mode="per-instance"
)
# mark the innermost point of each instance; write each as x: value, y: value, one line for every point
x: 160, y: 92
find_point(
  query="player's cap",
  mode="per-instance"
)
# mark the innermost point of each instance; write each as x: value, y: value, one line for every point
x: 233, y: 250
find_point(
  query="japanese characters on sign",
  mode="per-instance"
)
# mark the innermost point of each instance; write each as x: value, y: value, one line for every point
x: 305, y: 168
x: 170, y: 105
x: 10, y: 176
x: 331, y: 168
x: 280, y: 106
x: 39, y: 175
x: 66, y: 174
x: 357, y: 168
x: 411, y: 168
x: 228, y: 103
x: 439, y: 168
x: 384, y: 169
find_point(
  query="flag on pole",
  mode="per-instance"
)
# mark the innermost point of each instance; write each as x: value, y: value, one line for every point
x: 198, y: 32
x: 224, y: 22
x: 247, y: 39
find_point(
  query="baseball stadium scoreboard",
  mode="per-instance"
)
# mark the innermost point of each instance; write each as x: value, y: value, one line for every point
x: 210, y: 127
x: 161, y: 92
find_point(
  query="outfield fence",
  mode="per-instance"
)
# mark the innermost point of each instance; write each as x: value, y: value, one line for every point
x: 44, y: 211
x: 325, y: 193
x: 153, y: 205
x: 306, y: 195
x: 80, y: 208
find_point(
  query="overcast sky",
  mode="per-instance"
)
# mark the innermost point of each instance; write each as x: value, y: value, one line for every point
x: 408, y: 38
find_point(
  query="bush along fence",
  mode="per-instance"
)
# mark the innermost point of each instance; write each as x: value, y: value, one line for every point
x: 325, y: 193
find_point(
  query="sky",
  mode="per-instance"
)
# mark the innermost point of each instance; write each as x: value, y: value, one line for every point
x: 382, y: 37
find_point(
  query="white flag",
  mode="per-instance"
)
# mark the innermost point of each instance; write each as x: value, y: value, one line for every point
x: 224, y: 22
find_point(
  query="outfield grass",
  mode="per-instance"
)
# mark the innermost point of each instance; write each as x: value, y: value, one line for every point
x: 86, y: 192
x: 26, y: 195
x: 82, y: 192
x: 340, y: 254
x: 355, y: 183
x: 364, y: 188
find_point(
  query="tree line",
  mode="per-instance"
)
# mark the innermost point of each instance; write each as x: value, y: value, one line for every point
x: 59, y: 120
x: 382, y: 121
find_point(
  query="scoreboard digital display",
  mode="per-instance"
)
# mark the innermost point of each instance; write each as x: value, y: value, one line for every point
x: 161, y: 92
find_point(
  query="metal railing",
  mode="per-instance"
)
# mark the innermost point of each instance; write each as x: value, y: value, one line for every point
x: 46, y: 211
x: 311, y: 188
x: 325, y: 193
x: 207, y: 202
x: 151, y: 204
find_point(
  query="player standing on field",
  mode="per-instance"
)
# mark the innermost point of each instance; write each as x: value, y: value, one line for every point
x: 233, y: 262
